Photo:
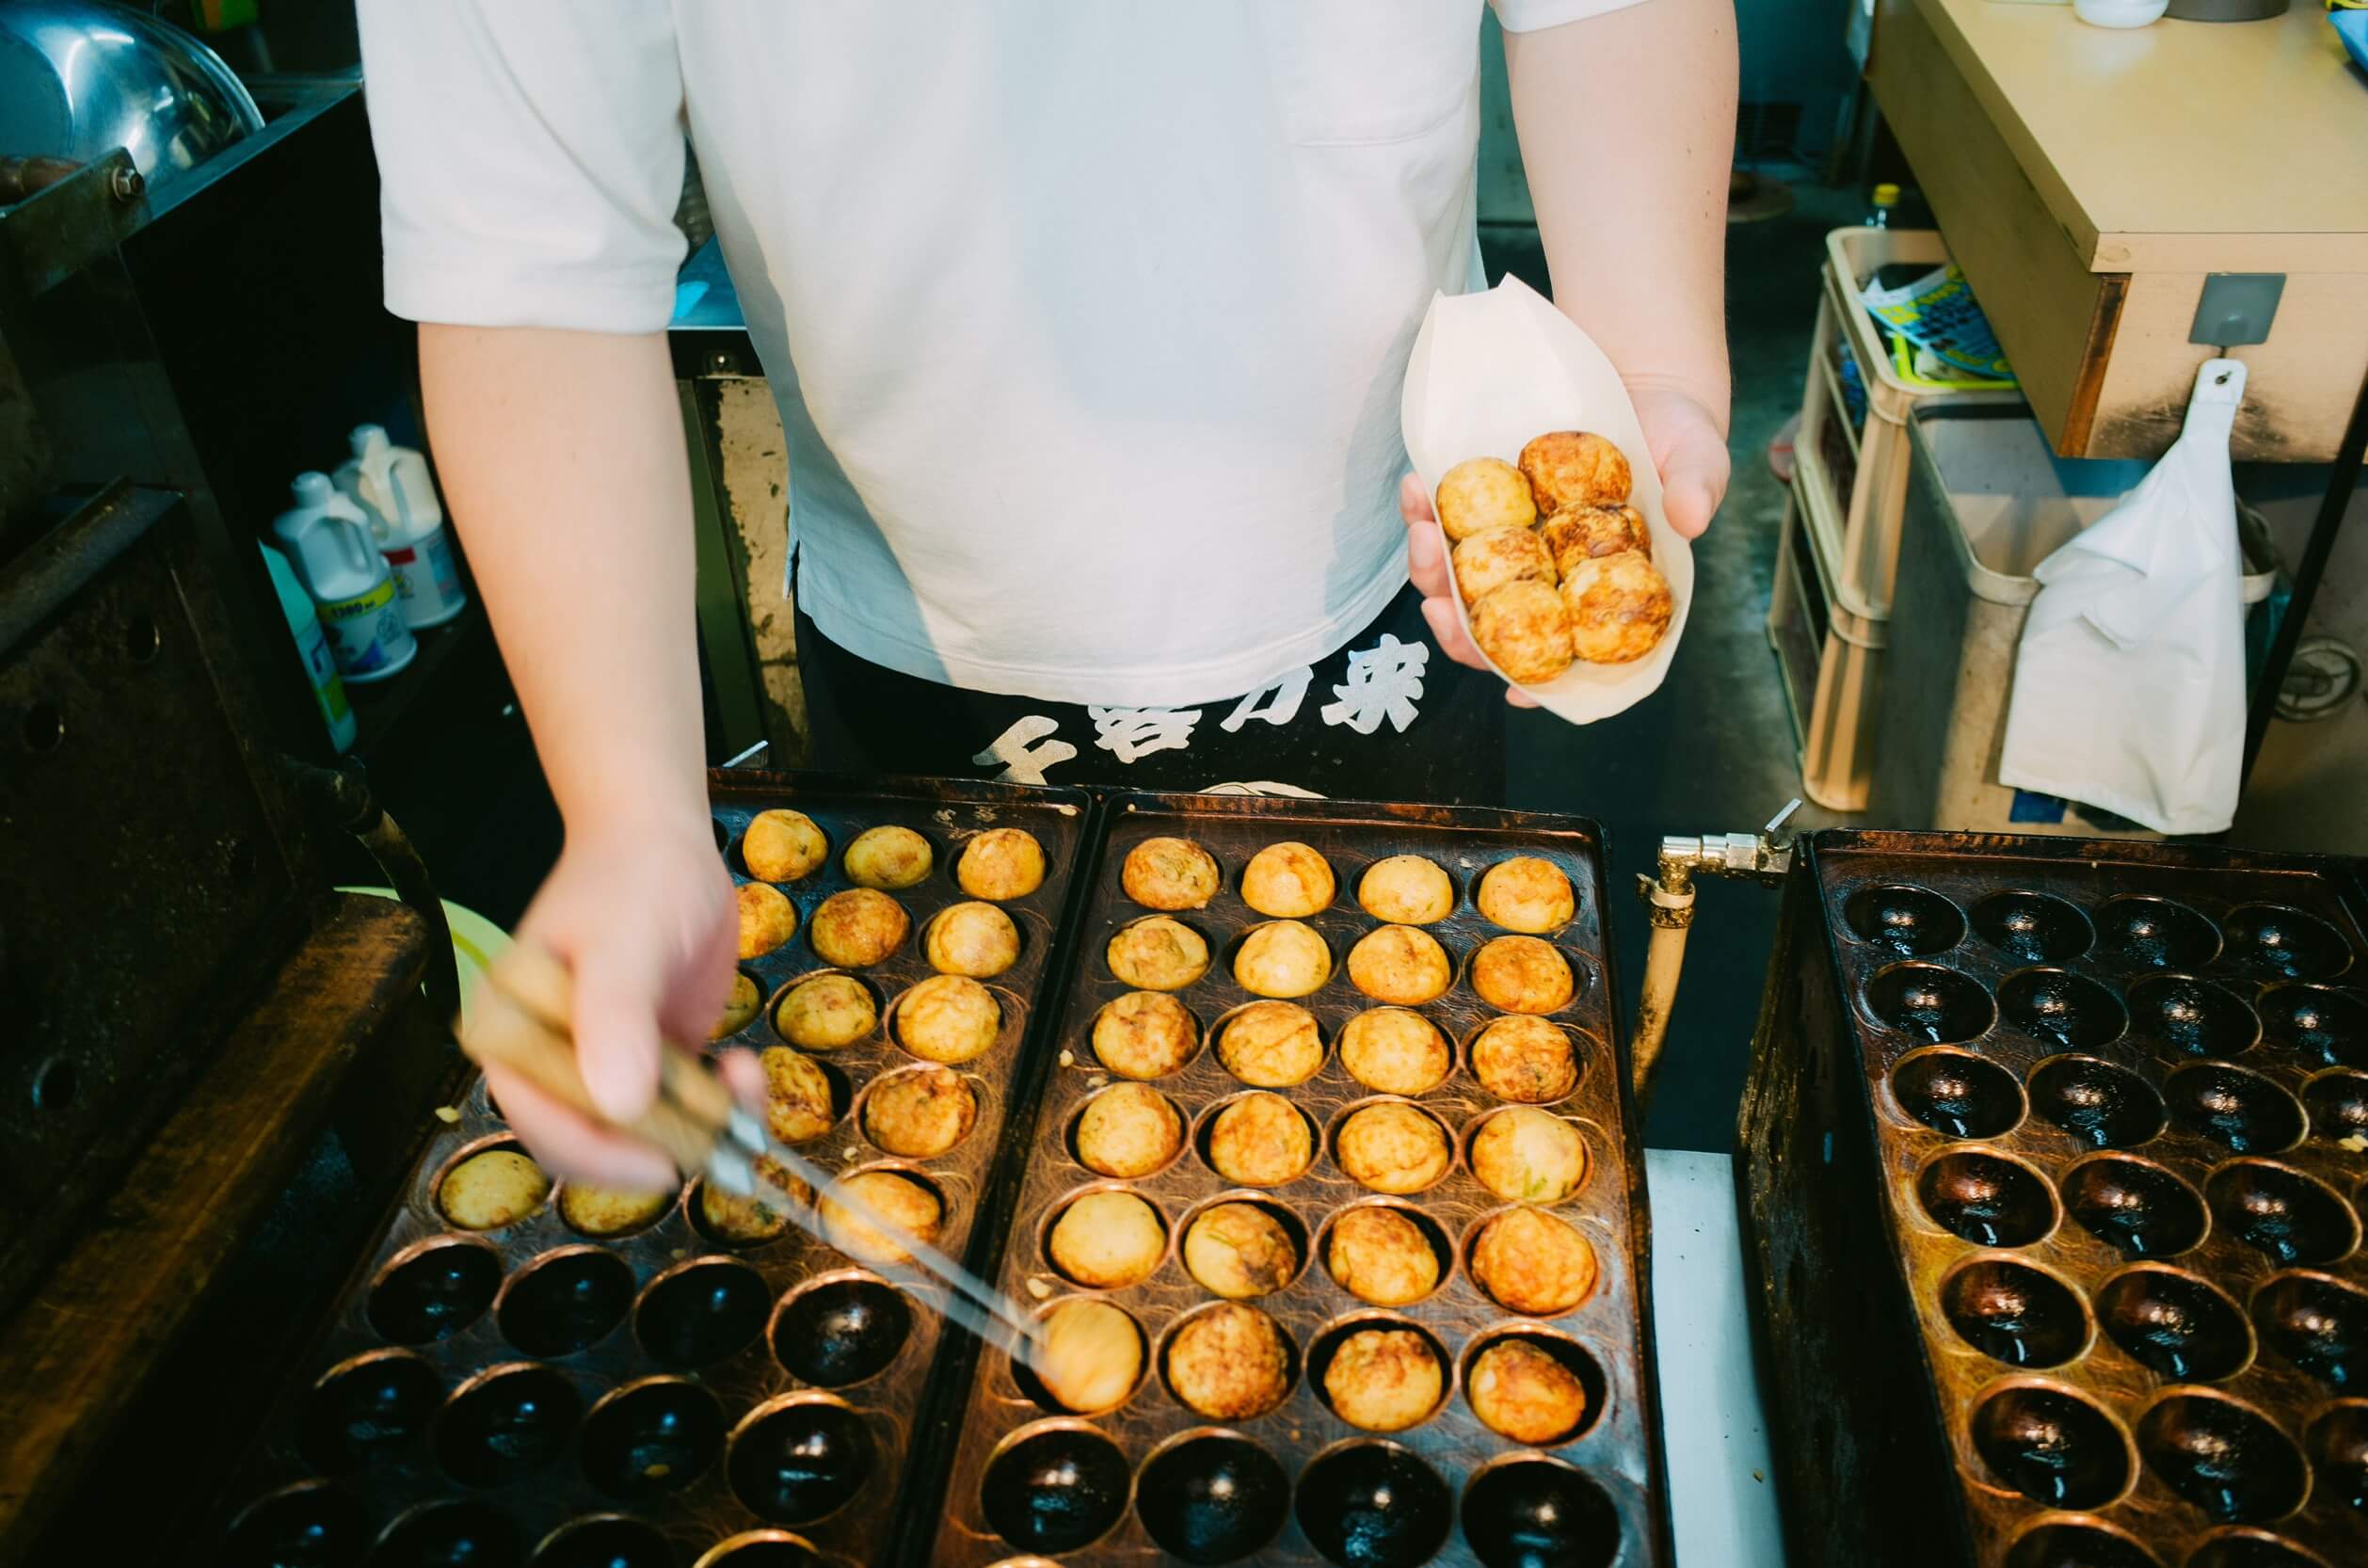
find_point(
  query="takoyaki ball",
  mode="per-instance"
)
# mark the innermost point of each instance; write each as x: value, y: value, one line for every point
x: 1527, y: 894
x: 487, y: 1190
x: 1260, y: 1140
x: 1392, y: 1148
x: 1523, y: 1155
x: 1488, y: 561
x: 1127, y: 1130
x: 1229, y: 1362
x: 741, y: 1005
x: 1378, y: 1255
x: 1383, y: 1379
x: 1585, y: 532
x: 1282, y: 958
x: 1406, y: 889
x: 1620, y: 608
x: 1238, y: 1251
x: 1573, y: 468
x: 1158, y: 954
x: 1169, y: 874
x: 826, y: 1013
x: 976, y: 940
x: 1482, y: 493
x: 1107, y: 1240
x: 858, y: 927
x: 1521, y: 1392
x: 1000, y: 863
x: 910, y: 1209
x: 1271, y: 1045
x: 782, y: 846
x: 1525, y: 1059
x: 920, y: 1114
x: 767, y: 918
x: 1145, y: 1034
x: 889, y: 858
x: 948, y: 1019
x: 1395, y: 1051
x: 797, y: 1097
x: 1287, y: 880
x: 1522, y: 975
x: 1400, y: 964
x: 1524, y: 629
x: 1533, y: 1263
x: 729, y: 1217
x: 605, y: 1211
x: 1091, y: 1358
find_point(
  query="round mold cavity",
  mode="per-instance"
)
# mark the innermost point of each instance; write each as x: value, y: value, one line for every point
x: 841, y: 1329
x: 1183, y: 1124
x: 2193, y: 1016
x: 1054, y: 1487
x: 605, y: 1540
x: 310, y: 1525
x: 701, y: 1312
x: 2252, y: 1548
x: 2175, y: 1324
x: 2226, y: 1458
x: 1987, y: 1198
x: 800, y: 1458
x: 1052, y: 1218
x: 505, y: 1217
x: 1328, y: 1142
x: 1957, y: 1093
x: 652, y: 1438
x: 1928, y: 1003
x: 765, y: 1548
x: 1328, y: 1340
x: 1374, y: 1504
x: 2052, y: 1445
x: 565, y: 1302
x: 434, y: 1290
x: 2062, y: 1008
x: 449, y: 1534
x: 506, y: 1422
x: 2238, y: 1110
x: 1904, y: 919
x: 2102, y: 1106
x: 1442, y: 1249
x: 2337, y: 1444
x: 2155, y: 933
x: 2136, y: 1205
x: 1203, y: 1132
x: 2077, y: 1543
x: 2279, y: 943
x: 2326, y: 1027
x: 1211, y: 1497
x: 1575, y: 1358
x: 1032, y: 1385
x: 1282, y: 1214
x: 1529, y: 1512
x: 2278, y: 1210
x: 2318, y: 1323
x: 2337, y: 1103
x: 372, y: 1405
x: 2032, y: 928
x: 2014, y: 1313
x: 1293, y: 1363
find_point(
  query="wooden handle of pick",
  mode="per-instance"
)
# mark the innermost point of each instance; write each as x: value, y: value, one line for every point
x: 520, y: 1021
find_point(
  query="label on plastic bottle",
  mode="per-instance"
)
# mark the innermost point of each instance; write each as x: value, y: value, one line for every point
x: 427, y: 579
x: 354, y: 632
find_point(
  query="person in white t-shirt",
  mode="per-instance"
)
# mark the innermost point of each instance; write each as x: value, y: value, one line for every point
x: 1086, y: 322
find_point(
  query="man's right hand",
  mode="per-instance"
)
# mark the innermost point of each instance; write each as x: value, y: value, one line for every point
x: 642, y: 914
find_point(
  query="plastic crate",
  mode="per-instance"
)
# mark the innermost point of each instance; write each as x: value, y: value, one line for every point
x: 1829, y: 656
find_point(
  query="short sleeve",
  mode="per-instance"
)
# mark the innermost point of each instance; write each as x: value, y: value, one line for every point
x: 530, y: 158
x: 1528, y: 16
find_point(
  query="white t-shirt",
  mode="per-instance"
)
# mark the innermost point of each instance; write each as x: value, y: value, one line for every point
x: 1086, y: 320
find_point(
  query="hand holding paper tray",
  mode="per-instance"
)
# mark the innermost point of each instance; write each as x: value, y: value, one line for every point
x: 1489, y: 372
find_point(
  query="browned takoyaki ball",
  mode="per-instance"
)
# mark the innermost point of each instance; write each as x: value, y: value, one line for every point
x: 1000, y: 863
x: 1522, y: 975
x: 1402, y: 965
x: 948, y: 1019
x: 1229, y: 1362
x: 1501, y: 555
x: 1383, y: 1379
x: 1482, y: 493
x: 1533, y: 1263
x: 1523, y: 1393
x: 1573, y: 468
x: 798, y: 1101
x: 1392, y: 1148
x: 973, y: 938
x: 1406, y: 889
x: 920, y: 1113
x: 1260, y: 1140
x: 1145, y: 1034
x: 1523, y: 1155
x: 1282, y: 958
x: 739, y: 1221
x: 767, y: 919
x: 1092, y: 1356
x: 826, y: 1013
x: 487, y: 1190
x: 1526, y: 1060
x: 605, y: 1211
x: 1527, y: 630
x: 739, y: 1007
x: 1169, y: 874
x: 887, y: 857
x: 1529, y: 895
x: 1158, y: 954
x: 913, y: 1212
x: 782, y: 846
x: 1585, y: 532
x: 858, y: 927
x: 1286, y: 880
x: 1127, y: 1130
x: 1395, y: 1051
x: 1378, y: 1255
x: 1620, y: 608
x: 1238, y: 1251
x: 1107, y: 1240
x: 1271, y: 1045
